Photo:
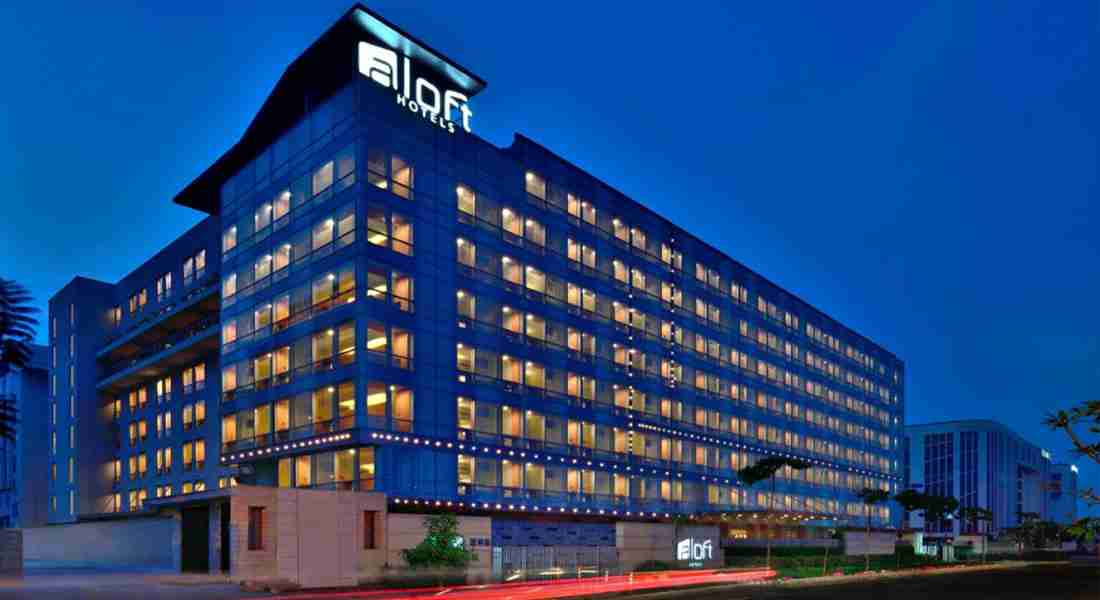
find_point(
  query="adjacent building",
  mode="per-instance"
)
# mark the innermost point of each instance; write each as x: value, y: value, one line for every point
x: 984, y: 464
x: 23, y: 460
x: 379, y: 300
x: 1062, y: 503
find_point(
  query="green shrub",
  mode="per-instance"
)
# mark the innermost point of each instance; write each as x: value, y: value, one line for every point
x: 653, y: 565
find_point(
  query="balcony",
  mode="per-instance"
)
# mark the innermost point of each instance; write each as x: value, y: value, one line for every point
x: 168, y: 353
x: 294, y: 434
x: 157, y: 327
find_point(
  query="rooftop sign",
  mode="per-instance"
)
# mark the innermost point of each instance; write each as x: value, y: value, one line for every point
x: 441, y: 106
x: 423, y: 80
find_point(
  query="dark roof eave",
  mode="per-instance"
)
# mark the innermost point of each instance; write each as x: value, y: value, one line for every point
x: 203, y: 192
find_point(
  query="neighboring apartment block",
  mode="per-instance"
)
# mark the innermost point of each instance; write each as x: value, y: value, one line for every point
x: 983, y: 464
x: 23, y: 460
x: 379, y: 299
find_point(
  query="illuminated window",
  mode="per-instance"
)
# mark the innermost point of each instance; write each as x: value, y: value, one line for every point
x: 467, y: 253
x: 535, y: 185
x: 466, y: 199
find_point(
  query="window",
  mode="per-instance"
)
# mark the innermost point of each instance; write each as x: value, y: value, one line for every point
x: 586, y: 255
x: 535, y: 184
x: 280, y: 206
x: 581, y: 209
x: 467, y: 305
x: 255, y: 528
x: 194, y: 455
x: 394, y: 347
x: 467, y: 253
x: 164, y: 287
x: 467, y: 200
x: 369, y: 517
x: 229, y: 239
x: 401, y: 176
x: 391, y: 230
x: 137, y: 301
x: 194, y: 267
x: 366, y: 469
x: 465, y: 358
x: 164, y: 389
x: 114, y: 317
x: 229, y: 286
x: 323, y: 177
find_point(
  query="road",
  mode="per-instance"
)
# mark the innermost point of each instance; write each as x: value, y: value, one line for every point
x: 1061, y: 582
x: 1053, y: 582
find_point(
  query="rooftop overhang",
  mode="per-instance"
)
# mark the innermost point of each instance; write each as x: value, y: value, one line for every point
x: 326, y: 66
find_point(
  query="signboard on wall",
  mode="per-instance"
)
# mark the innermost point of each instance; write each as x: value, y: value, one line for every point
x: 697, y: 547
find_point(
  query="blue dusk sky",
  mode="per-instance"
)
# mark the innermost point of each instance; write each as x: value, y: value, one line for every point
x: 925, y: 173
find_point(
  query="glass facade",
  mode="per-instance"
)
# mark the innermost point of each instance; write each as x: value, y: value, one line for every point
x: 378, y: 304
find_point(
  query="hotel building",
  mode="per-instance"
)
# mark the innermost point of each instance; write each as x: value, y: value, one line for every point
x: 379, y: 300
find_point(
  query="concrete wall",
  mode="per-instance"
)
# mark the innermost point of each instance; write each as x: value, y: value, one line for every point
x: 641, y: 542
x: 133, y: 543
x: 314, y: 538
x: 11, y: 551
x: 407, y: 530
x: 310, y: 537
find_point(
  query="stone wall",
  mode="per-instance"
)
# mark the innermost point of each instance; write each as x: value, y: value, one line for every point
x: 132, y: 543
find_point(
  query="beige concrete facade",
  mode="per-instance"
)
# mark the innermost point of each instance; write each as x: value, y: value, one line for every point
x: 641, y: 542
x: 315, y: 538
x: 407, y: 530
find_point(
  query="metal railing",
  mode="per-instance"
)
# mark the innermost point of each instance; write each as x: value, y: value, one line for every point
x: 166, y: 343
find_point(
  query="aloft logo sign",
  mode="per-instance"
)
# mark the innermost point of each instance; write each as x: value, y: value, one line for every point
x: 693, y: 549
x: 383, y: 66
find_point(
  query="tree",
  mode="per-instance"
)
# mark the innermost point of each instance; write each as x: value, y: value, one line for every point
x: 17, y: 327
x: 1087, y: 415
x: 1085, y: 529
x: 976, y: 515
x: 765, y: 469
x: 870, y: 498
x: 441, y: 547
x: 932, y: 508
x: 1025, y: 532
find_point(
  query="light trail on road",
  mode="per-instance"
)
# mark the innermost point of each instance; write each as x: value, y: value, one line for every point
x: 548, y: 590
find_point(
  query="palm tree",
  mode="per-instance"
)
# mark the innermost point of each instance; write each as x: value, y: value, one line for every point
x: 16, y: 332
x: 870, y: 498
x: 766, y: 469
